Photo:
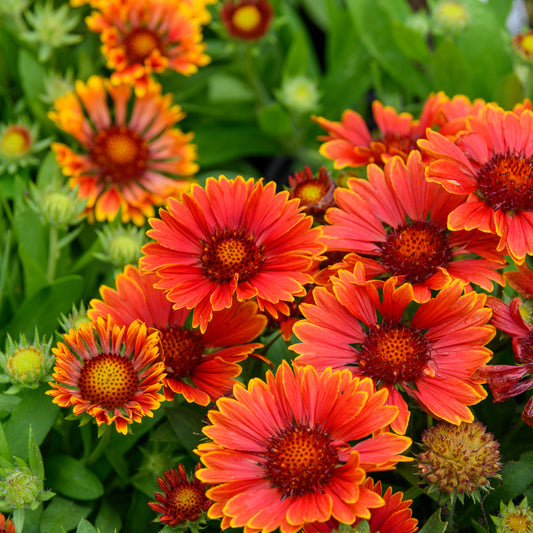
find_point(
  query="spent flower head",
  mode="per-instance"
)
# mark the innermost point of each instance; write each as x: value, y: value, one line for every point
x: 50, y: 28
x: 26, y: 364
x: 459, y: 460
x: 514, y: 519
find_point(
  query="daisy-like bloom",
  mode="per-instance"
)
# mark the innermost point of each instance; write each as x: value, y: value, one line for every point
x: 248, y: 20
x: 373, y: 334
x: 506, y: 381
x: 200, y: 366
x: 491, y: 163
x: 315, y: 192
x: 183, y: 500
x: 282, y: 452
x: 234, y: 239
x: 350, y: 142
x: 395, y: 516
x: 6, y: 526
x: 523, y: 44
x: 397, y: 221
x: 140, y: 37
x: 134, y: 156
x: 110, y: 372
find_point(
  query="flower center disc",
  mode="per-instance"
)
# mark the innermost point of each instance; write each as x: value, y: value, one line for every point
x: 246, y: 18
x: 393, y: 353
x: 15, y: 142
x: 122, y: 154
x: 415, y: 251
x: 506, y: 182
x: 186, y: 502
x: 299, y: 460
x: 108, y: 380
x: 230, y: 254
x: 182, y: 348
x: 140, y: 43
x: 310, y: 193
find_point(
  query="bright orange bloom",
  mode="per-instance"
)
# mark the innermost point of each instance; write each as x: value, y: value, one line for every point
x: 200, y: 366
x: 393, y: 517
x: 282, y: 452
x: 144, y: 36
x: 372, y: 333
x: 521, y: 280
x: 397, y: 220
x: 350, y: 142
x: 110, y: 372
x: 133, y: 156
x: 6, y: 526
x: 235, y: 238
x: 246, y: 19
x: 183, y: 499
x: 491, y: 163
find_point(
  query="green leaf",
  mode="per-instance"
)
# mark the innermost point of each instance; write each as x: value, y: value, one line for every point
x: 85, y: 527
x: 451, y: 70
x: 4, y: 447
x: 187, y: 424
x: 63, y: 513
x: 48, y: 171
x: 108, y: 518
x: 68, y: 477
x: 32, y: 75
x: 35, y: 459
x: 224, y: 87
x: 35, y: 409
x: 411, y: 42
x: 34, y: 275
x: 275, y: 121
x: 297, y: 59
x: 434, y: 524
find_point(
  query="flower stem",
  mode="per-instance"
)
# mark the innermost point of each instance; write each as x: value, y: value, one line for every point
x: 53, y: 253
x: 246, y: 60
x: 100, y: 447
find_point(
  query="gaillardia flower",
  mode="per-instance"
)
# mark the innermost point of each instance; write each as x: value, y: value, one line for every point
x: 396, y: 220
x: 6, y: 526
x: 144, y: 36
x: 282, y: 452
x: 234, y: 239
x: 248, y: 20
x: 514, y: 519
x: 200, y: 366
x: 523, y: 44
x: 135, y: 157
x: 491, y: 163
x: 110, y: 372
x: 183, y: 500
x: 395, y: 516
x: 374, y: 335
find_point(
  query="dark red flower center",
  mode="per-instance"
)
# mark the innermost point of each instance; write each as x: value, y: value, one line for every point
x: 108, y: 380
x: 415, y: 250
x: 121, y: 154
x: 182, y: 350
x: 186, y: 502
x: 230, y: 254
x: 506, y: 182
x: 393, y: 353
x: 398, y: 145
x: 140, y: 43
x: 300, y: 460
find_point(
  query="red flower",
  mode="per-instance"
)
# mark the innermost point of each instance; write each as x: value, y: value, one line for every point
x: 246, y: 19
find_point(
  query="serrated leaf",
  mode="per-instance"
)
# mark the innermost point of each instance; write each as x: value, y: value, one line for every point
x: 434, y: 524
x: 68, y: 477
x: 63, y: 513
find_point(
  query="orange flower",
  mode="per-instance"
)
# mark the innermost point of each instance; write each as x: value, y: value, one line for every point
x: 397, y: 221
x: 235, y: 238
x: 393, y: 517
x: 6, y: 526
x: 201, y: 367
x: 281, y: 452
x: 110, y: 372
x: 246, y: 19
x: 133, y: 157
x: 184, y: 499
x: 144, y: 36
x: 350, y: 142
x: 521, y: 280
x: 367, y: 327
x: 491, y: 164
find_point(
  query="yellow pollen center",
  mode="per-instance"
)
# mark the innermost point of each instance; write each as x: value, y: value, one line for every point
x: 108, y: 380
x: 527, y: 44
x: 25, y: 364
x: 310, y: 193
x: 517, y: 523
x: 300, y: 460
x: 15, y: 142
x: 393, y: 353
x: 247, y: 18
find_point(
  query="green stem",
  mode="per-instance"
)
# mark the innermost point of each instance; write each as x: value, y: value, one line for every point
x: 100, y: 447
x: 53, y: 253
x: 246, y: 60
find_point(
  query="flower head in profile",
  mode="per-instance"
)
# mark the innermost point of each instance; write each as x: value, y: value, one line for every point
x: 396, y: 221
x: 140, y: 37
x: 200, y: 366
x: 490, y: 166
x: 248, y: 20
x: 381, y: 332
x: 395, y: 516
x: 134, y: 156
x: 111, y: 372
x: 282, y: 453
x: 350, y: 142
x: 234, y: 239
x: 183, y: 501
